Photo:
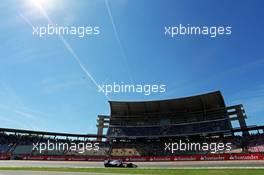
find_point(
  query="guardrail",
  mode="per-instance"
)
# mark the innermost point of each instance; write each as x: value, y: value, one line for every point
x: 208, y: 157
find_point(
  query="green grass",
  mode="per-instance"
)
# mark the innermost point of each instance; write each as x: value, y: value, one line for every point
x: 146, y: 171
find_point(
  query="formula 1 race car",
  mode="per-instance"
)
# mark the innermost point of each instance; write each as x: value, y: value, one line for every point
x: 118, y: 164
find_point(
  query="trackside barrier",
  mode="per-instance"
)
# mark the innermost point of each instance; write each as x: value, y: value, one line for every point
x: 4, y: 156
x: 209, y: 157
x: 64, y: 158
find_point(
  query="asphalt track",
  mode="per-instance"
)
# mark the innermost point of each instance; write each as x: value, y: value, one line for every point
x: 176, y: 164
x: 147, y: 165
x: 47, y: 173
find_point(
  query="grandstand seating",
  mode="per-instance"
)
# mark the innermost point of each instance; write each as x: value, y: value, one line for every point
x: 22, y: 149
x: 100, y: 152
x: 22, y: 145
x: 220, y: 125
x: 203, y: 114
x: 125, y: 152
x: 156, y: 148
x: 4, y: 148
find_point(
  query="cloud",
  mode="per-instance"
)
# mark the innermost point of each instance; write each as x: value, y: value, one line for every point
x: 18, y: 111
x: 124, y: 56
x: 253, y: 99
x: 7, y: 122
x: 15, y: 113
x: 52, y: 87
x: 187, y: 86
x: 9, y: 95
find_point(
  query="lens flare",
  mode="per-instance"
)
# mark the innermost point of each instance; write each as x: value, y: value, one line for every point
x: 42, y: 4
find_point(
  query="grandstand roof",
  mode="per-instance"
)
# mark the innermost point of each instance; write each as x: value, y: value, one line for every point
x: 208, y: 101
x: 21, y: 131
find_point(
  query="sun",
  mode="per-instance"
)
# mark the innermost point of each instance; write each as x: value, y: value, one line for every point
x: 42, y: 4
x: 42, y: 9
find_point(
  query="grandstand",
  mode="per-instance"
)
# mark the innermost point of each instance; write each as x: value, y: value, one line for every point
x: 18, y: 144
x: 142, y: 128
x: 139, y: 130
x: 204, y: 114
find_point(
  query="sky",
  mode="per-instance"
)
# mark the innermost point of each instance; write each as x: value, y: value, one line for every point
x: 43, y: 86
